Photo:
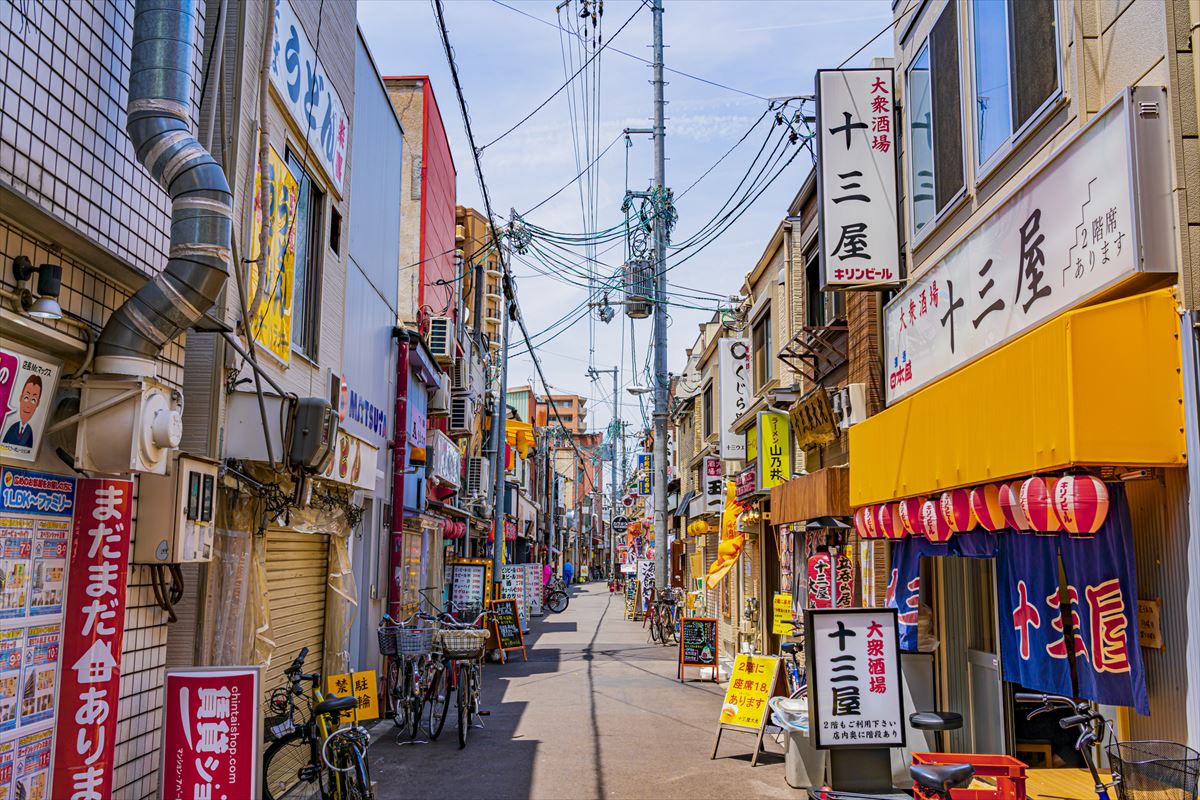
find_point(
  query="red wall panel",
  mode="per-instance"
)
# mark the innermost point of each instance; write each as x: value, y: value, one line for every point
x: 437, y: 214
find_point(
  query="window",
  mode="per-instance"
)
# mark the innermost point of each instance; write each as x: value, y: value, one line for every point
x: 335, y: 231
x: 1016, y: 69
x: 935, y: 122
x: 820, y: 308
x: 306, y: 280
x: 707, y: 410
x: 764, y: 358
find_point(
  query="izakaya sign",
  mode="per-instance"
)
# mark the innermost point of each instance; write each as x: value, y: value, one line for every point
x: 1072, y: 231
x: 714, y: 484
x: 93, y: 629
x: 856, y: 183
x: 308, y: 93
x: 210, y: 733
x: 733, y: 381
x: 854, y: 678
x: 774, y: 450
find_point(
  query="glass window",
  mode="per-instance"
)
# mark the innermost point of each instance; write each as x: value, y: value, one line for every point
x: 1016, y: 68
x: 764, y: 358
x: 935, y: 121
x: 307, y: 269
x: 708, y: 410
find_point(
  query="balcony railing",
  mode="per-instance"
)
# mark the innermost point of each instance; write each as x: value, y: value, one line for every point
x: 817, y: 350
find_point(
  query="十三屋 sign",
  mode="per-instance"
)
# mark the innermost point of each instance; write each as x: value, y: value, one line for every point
x: 774, y: 450
x: 856, y: 184
x: 733, y: 380
x: 308, y: 93
x: 854, y: 690
x: 1069, y: 232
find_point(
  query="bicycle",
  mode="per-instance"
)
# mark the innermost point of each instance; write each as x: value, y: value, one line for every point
x: 664, y: 618
x: 320, y: 759
x: 409, y: 650
x: 461, y: 646
x: 793, y: 669
x: 555, y: 600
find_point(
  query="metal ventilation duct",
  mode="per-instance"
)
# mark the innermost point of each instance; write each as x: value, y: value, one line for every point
x: 159, y: 125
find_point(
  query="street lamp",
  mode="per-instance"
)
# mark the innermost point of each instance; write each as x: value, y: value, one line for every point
x: 636, y: 390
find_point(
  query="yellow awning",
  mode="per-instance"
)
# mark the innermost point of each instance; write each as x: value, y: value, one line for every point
x: 1097, y: 386
x: 519, y: 435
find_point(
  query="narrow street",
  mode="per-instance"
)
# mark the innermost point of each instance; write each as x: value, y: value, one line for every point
x: 596, y: 712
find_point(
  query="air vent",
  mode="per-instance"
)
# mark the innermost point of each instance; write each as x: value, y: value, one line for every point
x: 478, y: 474
x: 462, y: 413
x: 441, y: 339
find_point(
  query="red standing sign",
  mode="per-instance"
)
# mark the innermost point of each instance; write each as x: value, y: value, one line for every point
x: 93, y: 627
x: 211, y: 734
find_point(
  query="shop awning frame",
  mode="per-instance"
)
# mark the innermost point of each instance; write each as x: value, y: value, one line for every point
x: 1099, y: 386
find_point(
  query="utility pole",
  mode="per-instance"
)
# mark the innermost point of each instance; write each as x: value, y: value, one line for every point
x: 615, y: 431
x: 660, y: 309
x: 499, y: 437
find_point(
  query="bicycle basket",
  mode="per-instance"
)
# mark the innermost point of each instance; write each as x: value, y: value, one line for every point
x: 1155, y: 770
x: 387, y: 641
x: 414, y: 641
x: 462, y: 644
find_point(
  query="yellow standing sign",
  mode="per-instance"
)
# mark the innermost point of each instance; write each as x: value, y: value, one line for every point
x: 754, y: 681
x: 271, y: 318
x: 782, y: 612
x: 360, y: 684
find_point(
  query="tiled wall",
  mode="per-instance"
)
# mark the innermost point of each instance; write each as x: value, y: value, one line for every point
x: 140, y: 710
x: 64, y: 72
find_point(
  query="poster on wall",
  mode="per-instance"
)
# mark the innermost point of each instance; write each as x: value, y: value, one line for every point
x: 31, y: 767
x: 12, y: 655
x: 94, y: 628
x: 271, y: 307
x: 8, y: 752
x: 211, y: 742
x: 38, y: 670
x: 27, y: 383
x: 16, y: 547
x: 46, y: 582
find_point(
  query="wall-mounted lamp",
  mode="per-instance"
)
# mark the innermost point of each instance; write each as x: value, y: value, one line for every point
x: 49, y: 286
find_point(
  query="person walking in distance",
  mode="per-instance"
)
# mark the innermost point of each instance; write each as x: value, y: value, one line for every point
x: 568, y: 572
x: 547, y: 574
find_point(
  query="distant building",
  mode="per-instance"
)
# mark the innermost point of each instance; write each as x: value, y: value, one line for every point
x: 571, y: 411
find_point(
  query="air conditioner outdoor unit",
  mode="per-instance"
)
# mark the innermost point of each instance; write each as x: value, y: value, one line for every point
x: 478, y: 476
x: 849, y: 404
x: 441, y: 339
x: 460, y: 373
x: 439, y: 399
x: 462, y: 413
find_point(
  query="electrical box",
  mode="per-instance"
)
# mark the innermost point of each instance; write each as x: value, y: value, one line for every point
x: 314, y: 429
x: 176, y: 514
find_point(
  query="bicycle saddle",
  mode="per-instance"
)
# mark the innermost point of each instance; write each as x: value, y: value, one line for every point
x: 942, y: 777
x: 790, y: 647
x: 333, y: 704
x: 936, y: 720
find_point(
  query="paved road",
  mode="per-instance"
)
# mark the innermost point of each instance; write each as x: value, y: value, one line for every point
x: 596, y: 712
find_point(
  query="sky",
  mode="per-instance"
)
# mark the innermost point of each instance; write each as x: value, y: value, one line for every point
x: 511, y: 59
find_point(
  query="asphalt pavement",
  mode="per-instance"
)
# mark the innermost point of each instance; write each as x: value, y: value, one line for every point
x: 596, y: 712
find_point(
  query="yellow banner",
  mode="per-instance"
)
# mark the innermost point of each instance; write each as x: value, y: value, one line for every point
x: 271, y: 323
x: 774, y: 449
x: 362, y: 686
x: 782, y: 608
x: 749, y: 688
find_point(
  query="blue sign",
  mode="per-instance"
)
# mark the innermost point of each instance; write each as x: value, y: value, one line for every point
x: 23, y: 491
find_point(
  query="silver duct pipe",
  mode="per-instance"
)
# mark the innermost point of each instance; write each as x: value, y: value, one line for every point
x: 159, y: 125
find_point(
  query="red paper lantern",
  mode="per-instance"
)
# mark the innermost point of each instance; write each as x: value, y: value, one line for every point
x: 1010, y: 507
x: 1037, y: 501
x: 1081, y: 502
x: 860, y: 522
x: 985, y: 505
x: 887, y: 521
x: 937, y: 529
x: 956, y: 508
x: 910, y: 515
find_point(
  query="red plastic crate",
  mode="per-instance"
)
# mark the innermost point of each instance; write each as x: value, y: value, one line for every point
x: 1008, y: 772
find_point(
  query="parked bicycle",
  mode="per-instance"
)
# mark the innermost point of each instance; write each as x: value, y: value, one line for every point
x: 319, y: 758
x: 554, y: 600
x: 792, y: 666
x: 408, y: 647
x: 664, y: 617
x: 462, y: 646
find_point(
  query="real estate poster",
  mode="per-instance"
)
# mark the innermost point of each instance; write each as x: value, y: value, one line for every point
x: 38, y: 673
x: 16, y: 546
x: 32, y: 766
x: 12, y: 653
x: 49, y: 568
x: 8, y: 752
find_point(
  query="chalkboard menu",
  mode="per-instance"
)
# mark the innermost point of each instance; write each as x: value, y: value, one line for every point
x: 698, y: 644
x: 507, y: 624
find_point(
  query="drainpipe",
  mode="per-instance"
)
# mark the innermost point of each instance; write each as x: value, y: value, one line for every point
x: 1191, y: 394
x: 159, y: 126
x: 399, y: 465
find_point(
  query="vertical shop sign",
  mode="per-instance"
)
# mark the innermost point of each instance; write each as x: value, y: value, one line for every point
x: 714, y: 484
x: 91, y: 646
x: 27, y: 383
x: 308, y: 94
x: 211, y: 739
x: 774, y: 450
x: 733, y: 381
x: 856, y: 178
x: 854, y: 678
x: 271, y: 323
x: 645, y: 474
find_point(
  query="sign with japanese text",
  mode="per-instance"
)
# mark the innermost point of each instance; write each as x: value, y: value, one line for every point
x: 774, y: 450
x: 354, y: 462
x: 533, y: 589
x: 781, y: 612
x: 645, y: 474
x: 445, y: 460
x: 746, y: 482
x: 470, y: 587
x: 733, y: 383
x: 512, y: 587
x: 812, y: 419
x: 855, y: 697
x: 507, y: 624
x: 360, y: 684
x: 211, y: 738
x: 751, y: 684
x: 1150, y: 633
x: 1070, y: 232
x: 714, y: 484
x: 93, y: 629
x: 271, y: 310
x: 36, y: 493
x: 308, y: 93
x: 27, y: 383
x: 856, y: 178
x: 698, y: 645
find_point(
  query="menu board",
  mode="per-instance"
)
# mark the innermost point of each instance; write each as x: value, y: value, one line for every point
x: 468, y: 587
x: 512, y: 587
x: 533, y: 589
x: 32, y: 766
x: 507, y: 624
x: 698, y: 642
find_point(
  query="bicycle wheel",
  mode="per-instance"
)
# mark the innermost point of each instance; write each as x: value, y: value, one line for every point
x: 401, y: 690
x: 557, y: 602
x: 345, y: 750
x: 438, y: 698
x: 655, y: 628
x: 416, y: 702
x: 290, y: 770
x: 464, y: 704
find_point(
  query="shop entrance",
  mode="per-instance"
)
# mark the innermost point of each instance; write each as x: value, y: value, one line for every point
x: 970, y: 654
